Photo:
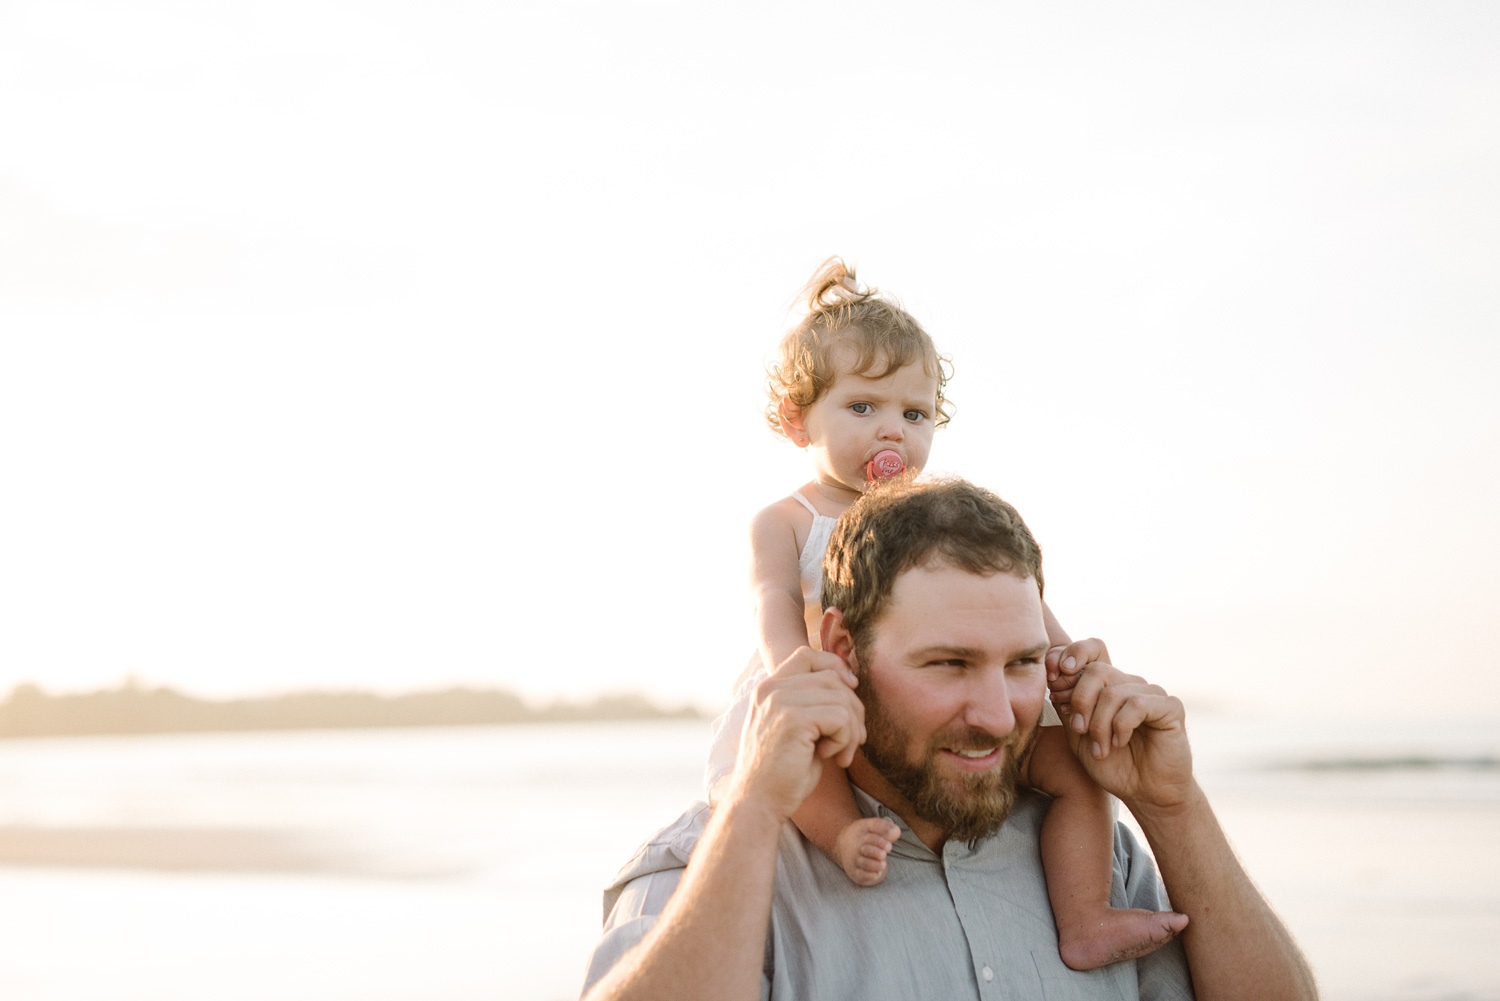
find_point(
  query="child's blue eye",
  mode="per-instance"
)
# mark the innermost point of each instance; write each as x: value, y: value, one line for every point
x: 915, y: 416
x: 860, y: 408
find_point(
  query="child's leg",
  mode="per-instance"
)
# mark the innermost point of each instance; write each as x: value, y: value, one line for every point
x: 1077, y: 849
x: 832, y: 821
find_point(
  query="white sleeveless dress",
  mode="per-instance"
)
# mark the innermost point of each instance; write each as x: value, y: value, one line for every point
x: 724, y: 745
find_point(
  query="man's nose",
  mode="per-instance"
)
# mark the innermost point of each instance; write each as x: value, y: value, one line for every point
x: 988, y: 706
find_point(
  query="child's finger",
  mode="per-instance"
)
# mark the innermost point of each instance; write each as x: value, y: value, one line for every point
x: 844, y: 755
x: 1080, y: 653
x: 1053, y: 661
x: 842, y: 732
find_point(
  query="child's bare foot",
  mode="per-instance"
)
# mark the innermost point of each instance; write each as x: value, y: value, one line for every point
x: 1113, y: 936
x: 862, y: 846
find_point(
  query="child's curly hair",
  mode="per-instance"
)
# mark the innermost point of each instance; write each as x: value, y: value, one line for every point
x: 841, y: 311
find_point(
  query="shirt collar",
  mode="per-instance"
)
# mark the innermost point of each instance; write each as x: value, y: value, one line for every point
x: 908, y: 845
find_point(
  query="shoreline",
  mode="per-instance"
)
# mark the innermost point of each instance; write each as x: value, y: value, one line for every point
x: 133, y: 709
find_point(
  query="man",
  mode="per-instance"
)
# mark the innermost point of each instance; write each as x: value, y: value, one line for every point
x: 933, y: 614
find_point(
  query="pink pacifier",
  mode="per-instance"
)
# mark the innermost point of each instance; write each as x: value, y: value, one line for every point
x: 885, y: 465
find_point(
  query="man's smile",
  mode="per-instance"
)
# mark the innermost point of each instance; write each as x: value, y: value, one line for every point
x: 974, y: 759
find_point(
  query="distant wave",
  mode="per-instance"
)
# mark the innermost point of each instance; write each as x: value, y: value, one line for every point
x: 1392, y: 763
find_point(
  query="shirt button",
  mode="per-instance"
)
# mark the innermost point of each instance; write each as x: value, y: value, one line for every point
x: 987, y: 973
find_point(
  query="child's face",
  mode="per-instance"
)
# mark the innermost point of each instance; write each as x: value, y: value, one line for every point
x: 861, y: 416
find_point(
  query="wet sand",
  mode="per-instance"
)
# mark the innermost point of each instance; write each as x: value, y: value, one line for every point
x: 230, y: 851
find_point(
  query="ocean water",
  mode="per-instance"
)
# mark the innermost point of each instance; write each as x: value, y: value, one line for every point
x: 465, y: 863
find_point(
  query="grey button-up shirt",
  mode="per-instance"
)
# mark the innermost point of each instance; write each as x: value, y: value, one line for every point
x: 971, y: 922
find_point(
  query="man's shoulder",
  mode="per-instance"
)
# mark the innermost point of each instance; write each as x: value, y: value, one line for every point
x: 667, y: 849
x: 815, y: 902
x: 641, y: 889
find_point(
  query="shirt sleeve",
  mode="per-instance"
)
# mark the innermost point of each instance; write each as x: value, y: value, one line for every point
x: 724, y: 736
x: 637, y: 906
x: 639, y: 893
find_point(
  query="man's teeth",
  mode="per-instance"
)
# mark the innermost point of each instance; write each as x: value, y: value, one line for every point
x: 975, y: 754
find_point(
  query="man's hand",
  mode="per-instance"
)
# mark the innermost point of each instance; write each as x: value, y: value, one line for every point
x: 1131, y: 737
x: 709, y: 941
x: 806, y: 712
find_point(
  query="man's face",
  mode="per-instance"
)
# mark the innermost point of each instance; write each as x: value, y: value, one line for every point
x: 953, y: 681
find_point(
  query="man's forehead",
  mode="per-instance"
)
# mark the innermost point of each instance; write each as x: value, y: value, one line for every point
x: 935, y: 598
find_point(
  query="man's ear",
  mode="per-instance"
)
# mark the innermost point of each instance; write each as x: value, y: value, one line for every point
x: 835, y: 637
x: 792, y: 424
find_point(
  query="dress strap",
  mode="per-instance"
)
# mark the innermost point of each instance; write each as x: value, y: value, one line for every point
x: 797, y: 496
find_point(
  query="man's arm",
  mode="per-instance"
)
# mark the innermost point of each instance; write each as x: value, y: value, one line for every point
x: 709, y: 941
x: 1131, y: 738
x: 1236, y: 946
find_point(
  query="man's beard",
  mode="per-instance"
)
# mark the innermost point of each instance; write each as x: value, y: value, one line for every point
x: 981, y: 802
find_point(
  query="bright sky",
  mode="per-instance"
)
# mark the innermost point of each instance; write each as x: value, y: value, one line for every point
x: 397, y: 344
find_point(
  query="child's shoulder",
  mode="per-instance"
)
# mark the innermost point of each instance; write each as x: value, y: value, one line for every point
x: 792, y: 512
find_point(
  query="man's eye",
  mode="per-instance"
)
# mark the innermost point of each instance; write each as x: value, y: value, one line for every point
x: 861, y: 408
x: 915, y: 416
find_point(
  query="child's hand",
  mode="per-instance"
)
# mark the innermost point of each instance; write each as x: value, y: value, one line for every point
x: 1065, y: 664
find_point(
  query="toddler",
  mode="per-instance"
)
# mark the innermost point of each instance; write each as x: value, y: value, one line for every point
x: 859, y: 385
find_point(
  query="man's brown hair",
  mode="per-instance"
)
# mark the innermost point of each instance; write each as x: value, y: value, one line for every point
x: 906, y: 523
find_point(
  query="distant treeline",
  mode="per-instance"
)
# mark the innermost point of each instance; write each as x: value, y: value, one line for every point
x: 133, y: 708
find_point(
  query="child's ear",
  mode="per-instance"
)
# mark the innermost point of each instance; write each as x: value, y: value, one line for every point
x: 791, y: 422
x: 835, y: 638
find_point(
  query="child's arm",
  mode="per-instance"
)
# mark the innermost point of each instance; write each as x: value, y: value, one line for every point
x: 1056, y: 635
x: 1060, y: 680
x: 829, y: 816
x: 776, y: 595
x: 776, y: 583
x: 1078, y: 835
x: 1077, y: 855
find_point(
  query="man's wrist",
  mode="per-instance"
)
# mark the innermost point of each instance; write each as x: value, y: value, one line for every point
x: 1156, y: 811
x: 752, y: 814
